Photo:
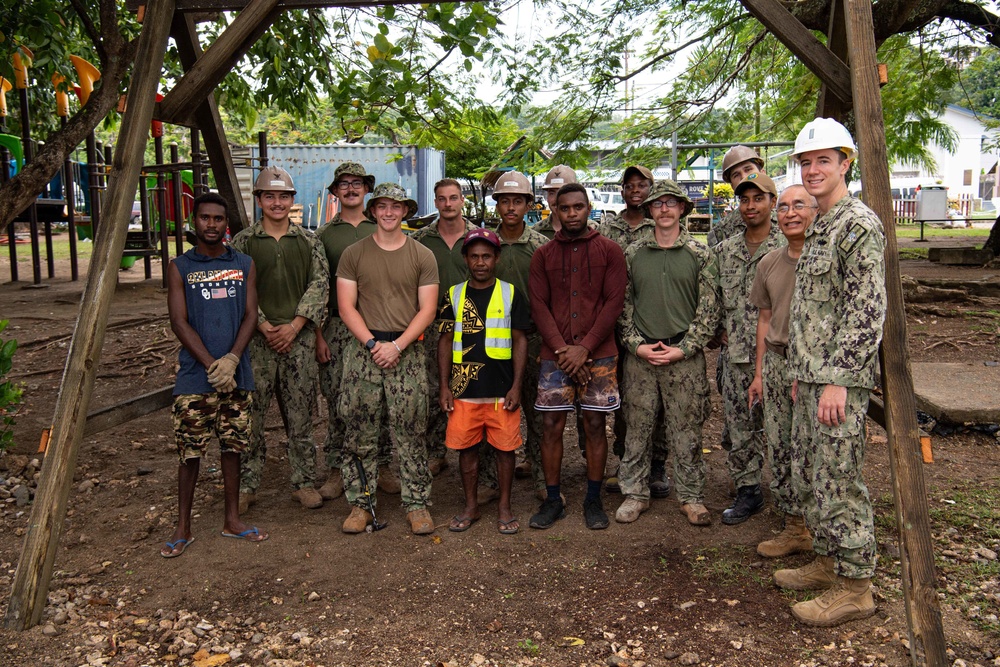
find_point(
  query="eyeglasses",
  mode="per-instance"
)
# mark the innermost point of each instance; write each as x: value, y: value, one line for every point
x: 798, y: 207
x: 353, y: 185
x: 660, y: 203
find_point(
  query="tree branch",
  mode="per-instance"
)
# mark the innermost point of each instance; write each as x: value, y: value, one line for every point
x: 88, y: 26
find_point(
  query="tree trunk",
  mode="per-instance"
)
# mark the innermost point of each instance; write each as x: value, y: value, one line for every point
x: 993, y: 242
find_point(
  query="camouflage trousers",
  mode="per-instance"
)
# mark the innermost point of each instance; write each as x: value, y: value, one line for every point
x: 197, y: 417
x: 404, y: 390
x: 826, y: 472
x: 294, y: 374
x: 437, y: 420
x: 778, y: 428
x: 532, y: 420
x: 339, y: 338
x: 720, y: 372
x: 660, y: 447
x: 680, y: 390
x: 746, y: 429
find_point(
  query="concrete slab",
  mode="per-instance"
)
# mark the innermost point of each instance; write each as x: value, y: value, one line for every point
x: 958, y: 393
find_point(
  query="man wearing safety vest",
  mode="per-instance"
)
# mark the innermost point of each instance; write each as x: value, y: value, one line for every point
x: 482, y: 355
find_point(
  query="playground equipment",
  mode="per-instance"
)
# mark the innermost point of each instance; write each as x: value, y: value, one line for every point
x: 74, y: 197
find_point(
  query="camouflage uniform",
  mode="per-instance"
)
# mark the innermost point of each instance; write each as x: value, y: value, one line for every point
x: 739, y: 318
x: 294, y: 373
x: 404, y: 390
x: 731, y: 225
x: 513, y: 267
x: 835, y: 326
x: 621, y: 232
x: 680, y: 389
x: 335, y: 237
x: 778, y: 429
x: 451, y: 270
x: 544, y: 228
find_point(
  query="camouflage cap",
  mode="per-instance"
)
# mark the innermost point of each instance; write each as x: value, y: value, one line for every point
x: 351, y: 169
x: 394, y: 192
x: 668, y: 188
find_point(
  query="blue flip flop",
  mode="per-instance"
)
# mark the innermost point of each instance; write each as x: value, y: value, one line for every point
x: 184, y: 544
x: 250, y: 535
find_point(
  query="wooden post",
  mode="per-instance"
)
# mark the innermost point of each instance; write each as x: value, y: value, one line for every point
x: 212, y: 131
x: 829, y: 105
x: 927, y: 642
x: 34, y: 569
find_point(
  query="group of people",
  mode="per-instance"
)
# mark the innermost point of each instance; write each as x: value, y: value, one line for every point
x: 443, y: 338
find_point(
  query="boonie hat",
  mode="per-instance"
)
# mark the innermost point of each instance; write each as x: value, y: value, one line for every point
x: 761, y: 181
x: 394, y: 192
x: 481, y: 234
x: 559, y: 176
x: 666, y: 188
x: 351, y: 169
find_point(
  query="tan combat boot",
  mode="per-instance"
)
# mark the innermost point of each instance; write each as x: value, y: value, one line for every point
x: 356, y: 521
x: 486, y: 495
x: 630, y: 510
x: 697, y: 514
x: 848, y: 600
x: 420, y: 522
x: 816, y: 576
x: 334, y: 486
x: 437, y: 465
x: 388, y: 481
x: 308, y: 497
x: 793, y: 539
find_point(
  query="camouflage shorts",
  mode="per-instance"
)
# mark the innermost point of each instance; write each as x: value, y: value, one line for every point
x: 197, y: 417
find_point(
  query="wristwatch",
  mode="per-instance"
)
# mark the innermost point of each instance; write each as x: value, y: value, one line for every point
x: 370, y: 345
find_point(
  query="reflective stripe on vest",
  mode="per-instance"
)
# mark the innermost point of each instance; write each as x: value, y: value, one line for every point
x: 497, y: 322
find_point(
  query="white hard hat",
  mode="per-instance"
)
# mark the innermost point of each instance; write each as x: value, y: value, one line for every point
x: 821, y: 133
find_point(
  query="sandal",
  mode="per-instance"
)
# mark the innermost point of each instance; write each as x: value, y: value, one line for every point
x: 508, y: 527
x: 460, y: 524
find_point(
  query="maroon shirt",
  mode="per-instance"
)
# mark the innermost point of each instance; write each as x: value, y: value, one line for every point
x: 577, y: 290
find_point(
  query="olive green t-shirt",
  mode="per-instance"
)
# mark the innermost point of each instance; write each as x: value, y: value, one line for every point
x: 664, y: 283
x: 388, y: 281
x: 336, y: 237
x: 283, y: 273
x: 772, y: 290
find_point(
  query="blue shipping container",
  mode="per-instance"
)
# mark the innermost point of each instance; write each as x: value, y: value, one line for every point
x: 312, y: 167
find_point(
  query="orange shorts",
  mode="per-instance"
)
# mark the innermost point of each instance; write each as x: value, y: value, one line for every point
x: 468, y: 421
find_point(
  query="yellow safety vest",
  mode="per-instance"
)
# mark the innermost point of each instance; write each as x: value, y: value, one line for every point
x: 497, y: 324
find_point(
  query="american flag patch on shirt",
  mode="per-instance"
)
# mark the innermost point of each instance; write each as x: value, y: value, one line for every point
x: 219, y: 293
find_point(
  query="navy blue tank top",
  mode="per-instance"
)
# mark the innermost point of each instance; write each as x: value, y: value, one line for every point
x: 216, y: 295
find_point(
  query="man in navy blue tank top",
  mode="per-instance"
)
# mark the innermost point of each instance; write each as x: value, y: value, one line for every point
x: 212, y: 300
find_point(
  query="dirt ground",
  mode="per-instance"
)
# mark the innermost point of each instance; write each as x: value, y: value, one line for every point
x: 658, y: 591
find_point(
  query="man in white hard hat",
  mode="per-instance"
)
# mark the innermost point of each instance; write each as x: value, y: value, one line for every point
x: 834, y: 330
x: 293, y: 281
x: 387, y: 289
x: 557, y: 177
x: 739, y: 256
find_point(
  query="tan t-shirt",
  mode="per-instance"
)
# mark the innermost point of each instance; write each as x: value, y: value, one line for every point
x: 388, y: 281
x: 772, y: 290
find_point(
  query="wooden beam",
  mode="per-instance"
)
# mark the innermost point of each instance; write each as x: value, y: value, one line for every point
x: 211, y: 6
x: 34, y: 569
x: 126, y: 411
x: 830, y: 69
x: 212, y: 131
x: 876, y: 412
x: 215, y: 63
x: 829, y: 105
x: 927, y: 642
